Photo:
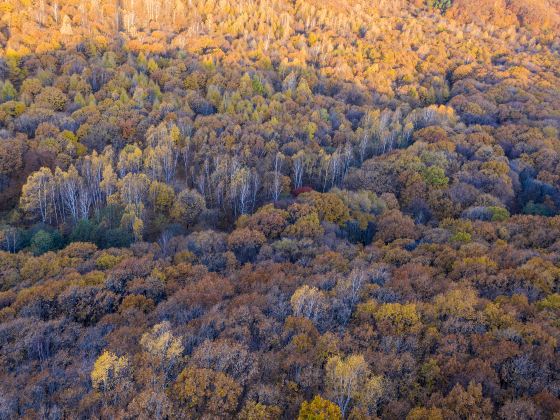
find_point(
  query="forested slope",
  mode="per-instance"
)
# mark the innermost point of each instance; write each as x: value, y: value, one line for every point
x: 273, y: 209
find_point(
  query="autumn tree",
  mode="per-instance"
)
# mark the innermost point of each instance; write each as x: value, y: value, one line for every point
x: 37, y: 196
x: 163, y: 353
x: 245, y: 243
x: 188, y: 206
x: 204, y: 391
x: 319, y: 409
x: 349, y: 381
x: 111, y: 376
x: 308, y: 302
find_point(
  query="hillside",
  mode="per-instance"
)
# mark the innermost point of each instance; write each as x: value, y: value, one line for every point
x: 278, y: 209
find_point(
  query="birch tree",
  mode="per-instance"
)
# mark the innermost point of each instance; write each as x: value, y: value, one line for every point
x: 277, y: 182
x: 349, y: 381
x: 37, y: 195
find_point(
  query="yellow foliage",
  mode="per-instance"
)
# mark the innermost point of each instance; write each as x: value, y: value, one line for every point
x: 108, y: 371
x: 401, y: 318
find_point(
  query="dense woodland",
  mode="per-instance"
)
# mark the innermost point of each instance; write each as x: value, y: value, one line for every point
x: 274, y: 209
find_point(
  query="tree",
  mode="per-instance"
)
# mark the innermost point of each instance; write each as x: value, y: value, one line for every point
x: 205, y: 392
x: 226, y: 356
x: 246, y: 243
x: 52, y: 98
x: 350, y: 287
x: 111, y: 375
x: 308, y: 302
x: 37, y: 195
x: 422, y: 413
x: 163, y: 351
x: 7, y: 91
x: 267, y: 219
x: 109, y: 182
x: 130, y: 160
x: 307, y: 226
x: 150, y: 404
x: 499, y: 214
x: 244, y: 185
x: 11, y: 161
x: 131, y: 220
x: 277, y: 181
x: 303, y: 92
x: 299, y: 163
x: 319, y: 409
x: 467, y: 403
x: 10, y: 238
x: 523, y: 409
x: 329, y: 206
x: 188, y: 205
x: 397, y: 318
x: 161, y: 197
x: 257, y: 411
x: 133, y: 189
x: 442, y: 5
x: 42, y: 242
x: 75, y: 196
x: 394, y: 225
x: 435, y: 176
x: 162, y: 155
x: 349, y: 380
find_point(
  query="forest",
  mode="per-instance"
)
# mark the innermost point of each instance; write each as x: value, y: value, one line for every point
x: 280, y: 209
